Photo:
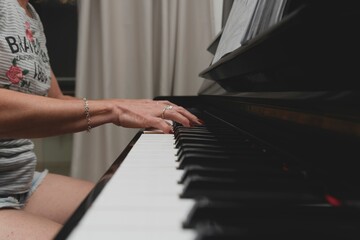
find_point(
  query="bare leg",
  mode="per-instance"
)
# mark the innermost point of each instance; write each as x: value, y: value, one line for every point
x: 19, y: 225
x: 57, y: 197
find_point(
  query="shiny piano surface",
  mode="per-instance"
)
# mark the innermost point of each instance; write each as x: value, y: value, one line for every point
x: 276, y: 157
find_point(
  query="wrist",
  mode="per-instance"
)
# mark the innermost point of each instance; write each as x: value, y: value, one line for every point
x: 99, y: 112
x: 116, y: 111
x: 87, y: 114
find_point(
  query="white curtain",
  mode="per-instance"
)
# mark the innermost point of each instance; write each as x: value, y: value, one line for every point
x: 135, y: 49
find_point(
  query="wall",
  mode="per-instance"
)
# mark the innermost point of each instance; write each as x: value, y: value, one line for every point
x: 54, y: 153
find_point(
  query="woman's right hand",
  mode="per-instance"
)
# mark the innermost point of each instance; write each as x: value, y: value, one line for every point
x: 146, y: 113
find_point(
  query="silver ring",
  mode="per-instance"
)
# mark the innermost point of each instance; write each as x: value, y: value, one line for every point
x: 167, y: 107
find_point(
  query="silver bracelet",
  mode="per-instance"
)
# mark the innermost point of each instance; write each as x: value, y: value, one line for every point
x: 87, y: 114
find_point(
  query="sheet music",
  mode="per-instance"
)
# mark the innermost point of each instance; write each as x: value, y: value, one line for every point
x: 267, y: 13
x: 247, y: 19
x: 236, y: 27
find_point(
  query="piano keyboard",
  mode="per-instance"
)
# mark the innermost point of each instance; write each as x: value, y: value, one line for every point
x: 141, y: 200
x: 212, y: 183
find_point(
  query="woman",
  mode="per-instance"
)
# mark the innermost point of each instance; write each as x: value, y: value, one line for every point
x: 35, y: 205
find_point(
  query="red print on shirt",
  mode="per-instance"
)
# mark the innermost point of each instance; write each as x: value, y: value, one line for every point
x: 15, y: 74
x: 28, y: 32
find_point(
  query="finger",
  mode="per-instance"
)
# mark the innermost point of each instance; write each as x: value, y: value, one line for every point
x: 165, y: 102
x: 161, y: 124
x: 192, y: 118
x: 177, y: 117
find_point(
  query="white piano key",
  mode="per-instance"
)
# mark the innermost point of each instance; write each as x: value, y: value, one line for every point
x: 135, y: 234
x: 141, y: 200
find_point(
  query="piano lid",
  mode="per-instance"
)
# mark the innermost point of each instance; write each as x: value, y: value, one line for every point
x: 311, y: 48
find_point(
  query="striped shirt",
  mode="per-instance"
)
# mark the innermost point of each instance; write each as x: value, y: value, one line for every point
x: 24, y: 67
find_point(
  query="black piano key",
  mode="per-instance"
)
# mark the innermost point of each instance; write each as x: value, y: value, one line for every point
x: 200, y: 130
x: 219, y: 137
x: 231, y: 213
x: 218, y: 151
x: 234, y: 161
x: 207, y: 136
x: 246, y: 154
x: 213, y: 231
x: 215, y: 147
x: 195, y: 170
x: 221, y: 142
x: 266, y: 189
x: 232, y: 173
x: 265, y: 171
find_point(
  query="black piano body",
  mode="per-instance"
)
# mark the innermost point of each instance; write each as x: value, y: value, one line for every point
x: 285, y: 109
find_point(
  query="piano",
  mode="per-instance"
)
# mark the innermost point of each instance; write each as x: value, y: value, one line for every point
x: 276, y: 158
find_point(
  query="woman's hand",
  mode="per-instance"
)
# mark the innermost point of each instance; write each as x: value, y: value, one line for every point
x: 144, y: 113
x: 30, y: 116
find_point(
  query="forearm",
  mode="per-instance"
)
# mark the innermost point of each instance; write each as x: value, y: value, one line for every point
x: 29, y: 116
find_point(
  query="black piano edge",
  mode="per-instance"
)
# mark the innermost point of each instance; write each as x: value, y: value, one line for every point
x: 75, y: 218
x: 326, y: 110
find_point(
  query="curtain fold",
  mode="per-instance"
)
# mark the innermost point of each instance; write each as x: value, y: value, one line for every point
x: 135, y: 49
